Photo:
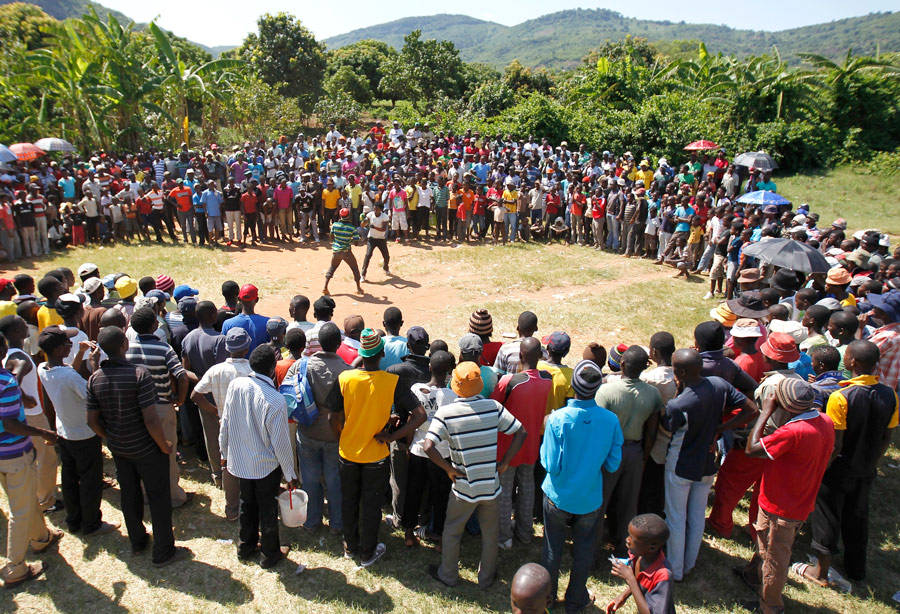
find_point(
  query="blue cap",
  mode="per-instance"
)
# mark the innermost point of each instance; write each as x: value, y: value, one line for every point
x: 182, y: 291
x: 237, y: 339
x: 158, y: 294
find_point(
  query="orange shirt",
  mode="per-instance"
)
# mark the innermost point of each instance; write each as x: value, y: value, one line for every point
x: 183, y: 198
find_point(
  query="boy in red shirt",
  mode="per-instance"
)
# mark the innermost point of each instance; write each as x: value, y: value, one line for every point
x: 745, y: 333
x: 798, y: 452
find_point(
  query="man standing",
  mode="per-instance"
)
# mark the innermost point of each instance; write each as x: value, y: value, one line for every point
x: 582, y: 441
x: 121, y: 406
x: 364, y: 428
x: 161, y: 361
x: 471, y: 426
x: 343, y: 233
x: 524, y: 395
x: 252, y: 322
x: 638, y: 405
x: 507, y: 360
x: 694, y: 418
x: 256, y: 445
x: 18, y: 475
x: 796, y: 455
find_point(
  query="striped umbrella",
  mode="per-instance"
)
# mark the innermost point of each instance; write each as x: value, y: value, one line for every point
x: 26, y: 151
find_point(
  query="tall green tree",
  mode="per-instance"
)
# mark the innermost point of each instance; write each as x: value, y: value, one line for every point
x: 366, y: 58
x: 429, y: 68
x: 285, y: 52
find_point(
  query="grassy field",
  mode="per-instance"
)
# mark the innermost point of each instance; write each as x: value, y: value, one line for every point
x: 591, y: 295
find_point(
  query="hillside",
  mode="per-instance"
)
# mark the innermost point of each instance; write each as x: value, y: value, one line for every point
x: 561, y: 39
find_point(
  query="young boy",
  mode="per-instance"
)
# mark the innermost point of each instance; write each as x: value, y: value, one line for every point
x: 530, y: 590
x: 733, y: 256
x: 298, y: 309
x: 815, y: 318
x: 842, y: 327
x: 65, y: 396
x: 745, y: 332
x: 826, y: 378
x: 646, y: 573
x: 695, y: 241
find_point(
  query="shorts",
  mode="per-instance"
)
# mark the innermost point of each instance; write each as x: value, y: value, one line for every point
x: 214, y: 222
x: 718, y: 267
x: 398, y: 221
x: 499, y: 214
x: 731, y: 271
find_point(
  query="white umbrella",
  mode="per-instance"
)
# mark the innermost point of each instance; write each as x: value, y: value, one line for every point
x: 55, y: 144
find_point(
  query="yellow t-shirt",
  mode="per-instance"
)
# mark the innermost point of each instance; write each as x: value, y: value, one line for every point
x: 47, y: 316
x: 330, y: 198
x: 355, y: 193
x: 7, y: 308
x: 510, y: 199
x: 562, y: 384
x: 696, y: 234
x: 368, y: 396
x: 412, y: 197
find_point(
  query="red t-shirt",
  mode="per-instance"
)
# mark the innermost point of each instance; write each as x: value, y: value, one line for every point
x: 143, y: 206
x: 480, y: 203
x: 553, y: 202
x: 347, y: 353
x: 182, y: 196
x: 527, y: 401
x: 248, y: 199
x: 578, y: 203
x: 489, y: 352
x: 754, y: 364
x: 799, y: 453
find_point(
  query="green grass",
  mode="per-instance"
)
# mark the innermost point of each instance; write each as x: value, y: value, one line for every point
x: 864, y: 200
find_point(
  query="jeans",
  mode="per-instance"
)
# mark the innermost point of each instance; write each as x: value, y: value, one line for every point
x: 82, y: 482
x: 685, y: 513
x: 153, y: 471
x: 308, y: 218
x: 364, y: 488
x: 518, y: 479
x: 440, y: 217
x: 259, y: 516
x: 706, y: 259
x: 186, y: 221
x: 318, y: 459
x: 202, y: 231
x: 663, y: 242
x: 612, y: 238
x: 584, y: 530
x: 842, y: 514
x: 371, y: 244
x: 512, y: 225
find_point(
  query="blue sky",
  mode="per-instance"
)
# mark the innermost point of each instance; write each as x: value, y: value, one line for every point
x: 216, y: 22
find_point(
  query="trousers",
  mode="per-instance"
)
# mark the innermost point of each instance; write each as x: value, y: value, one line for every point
x: 774, y: 541
x: 82, y: 482
x: 685, y: 511
x: 620, y: 495
x: 169, y: 422
x: 25, y: 527
x: 318, y: 460
x: 234, y: 220
x: 518, y: 480
x: 259, y: 516
x: 424, y: 475
x: 337, y: 258
x: 47, y: 462
x: 458, y: 514
x: 738, y: 473
x: 584, y: 535
x: 153, y: 472
x: 364, y: 488
x: 842, y: 514
x: 371, y: 244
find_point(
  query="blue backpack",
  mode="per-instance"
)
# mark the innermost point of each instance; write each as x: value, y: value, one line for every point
x: 298, y: 394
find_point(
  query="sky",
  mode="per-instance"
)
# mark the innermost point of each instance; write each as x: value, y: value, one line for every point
x: 214, y: 22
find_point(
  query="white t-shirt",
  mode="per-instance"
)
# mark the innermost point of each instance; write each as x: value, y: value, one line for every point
x: 425, y: 197
x: 29, y: 384
x: 431, y: 398
x: 68, y: 392
x: 381, y: 220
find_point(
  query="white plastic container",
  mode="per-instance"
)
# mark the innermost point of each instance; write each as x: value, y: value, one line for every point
x: 292, y: 504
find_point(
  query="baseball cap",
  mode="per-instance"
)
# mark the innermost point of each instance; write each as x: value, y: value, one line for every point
x: 248, y: 292
x: 277, y: 325
x: 126, y: 286
x: 746, y: 328
x: 889, y: 303
x: 4, y: 282
x: 91, y: 285
x: 87, y: 268
x: 159, y: 295
x: 344, y: 212
x: 417, y: 334
x: 182, y: 291
x: 53, y: 336
x: 237, y: 339
x: 470, y: 343
x: 557, y: 342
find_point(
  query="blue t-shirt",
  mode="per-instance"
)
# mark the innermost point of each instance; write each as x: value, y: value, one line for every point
x: 68, y: 187
x: 395, y: 349
x: 683, y: 212
x: 693, y: 417
x: 213, y: 202
x: 734, y: 249
x: 481, y: 172
x: 199, y: 206
x: 255, y: 325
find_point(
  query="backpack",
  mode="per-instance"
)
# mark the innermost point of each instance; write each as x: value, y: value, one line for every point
x: 298, y: 394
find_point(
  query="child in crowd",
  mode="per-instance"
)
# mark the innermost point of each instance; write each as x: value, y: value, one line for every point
x: 646, y: 573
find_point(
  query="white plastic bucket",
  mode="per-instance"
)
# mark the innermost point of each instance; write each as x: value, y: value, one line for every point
x: 292, y: 504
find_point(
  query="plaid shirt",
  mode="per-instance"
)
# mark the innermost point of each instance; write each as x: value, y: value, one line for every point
x: 887, y: 338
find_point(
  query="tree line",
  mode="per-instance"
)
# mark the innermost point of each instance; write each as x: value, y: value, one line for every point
x: 102, y: 83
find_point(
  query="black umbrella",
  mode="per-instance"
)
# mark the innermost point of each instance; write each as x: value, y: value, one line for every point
x: 759, y: 160
x: 789, y: 254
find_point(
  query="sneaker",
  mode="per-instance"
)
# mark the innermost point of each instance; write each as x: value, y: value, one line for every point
x: 380, y: 549
x: 362, y: 279
x: 506, y: 545
x: 707, y: 296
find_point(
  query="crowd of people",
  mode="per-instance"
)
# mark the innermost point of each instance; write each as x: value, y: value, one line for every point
x: 787, y: 395
x: 406, y: 185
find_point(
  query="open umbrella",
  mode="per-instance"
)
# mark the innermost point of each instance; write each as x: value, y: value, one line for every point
x: 763, y: 197
x: 55, y: 144
x: 6, y: 155
x: 789, y: 254
x: 700, y: 146
x: 26, y: 151
x: 757, y: 159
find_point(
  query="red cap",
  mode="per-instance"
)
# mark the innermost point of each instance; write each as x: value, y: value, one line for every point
x: 248, y: 292
x: 345, y: 212
x: 4, y: 282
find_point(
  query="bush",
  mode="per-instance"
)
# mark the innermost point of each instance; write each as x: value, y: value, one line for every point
x: 338, y: 109
x: 490, y: 99
x: 351, y: 83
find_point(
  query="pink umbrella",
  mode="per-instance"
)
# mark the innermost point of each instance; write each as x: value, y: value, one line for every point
x: 700, y: 146
x: 26, y: 151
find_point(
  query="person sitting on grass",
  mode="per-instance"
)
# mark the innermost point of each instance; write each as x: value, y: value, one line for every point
x: 647, y: 574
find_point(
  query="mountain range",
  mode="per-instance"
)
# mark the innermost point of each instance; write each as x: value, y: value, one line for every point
x: 562, y: 39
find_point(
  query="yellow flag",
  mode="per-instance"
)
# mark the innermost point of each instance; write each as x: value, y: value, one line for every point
x: 185, y: 127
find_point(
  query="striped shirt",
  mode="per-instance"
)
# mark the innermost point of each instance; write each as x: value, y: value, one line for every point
x: 11, y: 446
x: 343, y: 235
x: 120, y: 391
x: 253, y: 436
x: 160, y: 360
x: 471, y: 426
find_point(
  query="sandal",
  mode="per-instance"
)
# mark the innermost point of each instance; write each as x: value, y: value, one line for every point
x: 801, y: 568
x: 34, y: 570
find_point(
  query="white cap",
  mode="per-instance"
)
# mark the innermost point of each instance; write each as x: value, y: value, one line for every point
x: 791, y: 327
x: 87, y: 267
